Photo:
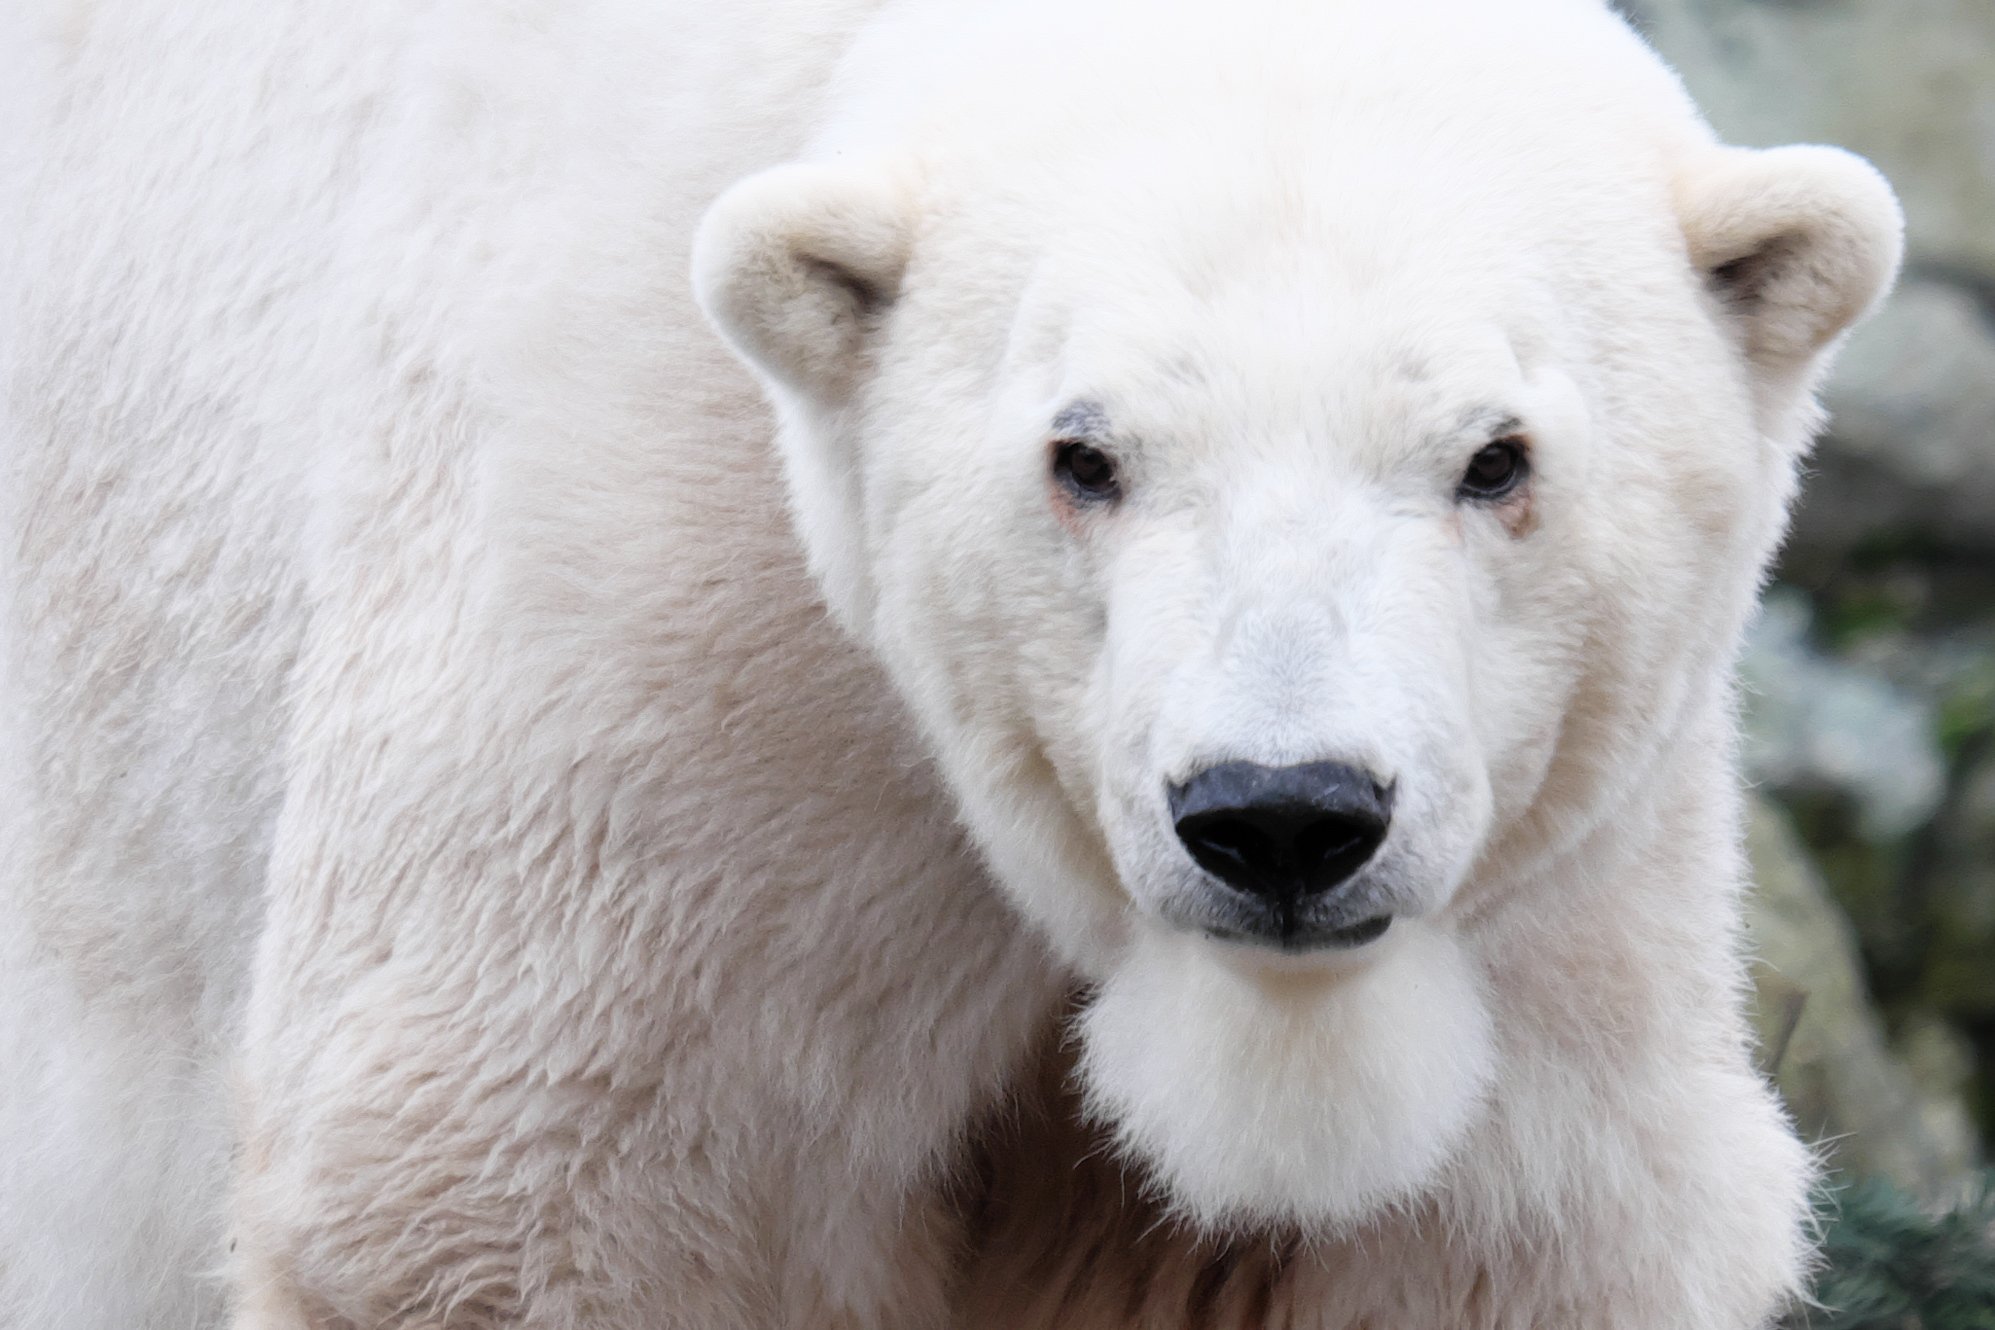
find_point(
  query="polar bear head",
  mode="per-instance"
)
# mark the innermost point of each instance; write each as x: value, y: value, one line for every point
x: 1296, y: 490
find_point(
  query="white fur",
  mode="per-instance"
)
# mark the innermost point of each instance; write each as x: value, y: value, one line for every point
x: 396, y: 586
x: 1317, y: 1097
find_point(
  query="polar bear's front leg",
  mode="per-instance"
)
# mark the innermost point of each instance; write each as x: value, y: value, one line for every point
x: 418, y: 1152
x: 540, y: 1074
x: 410, y: 1174
x: 412, y: 1178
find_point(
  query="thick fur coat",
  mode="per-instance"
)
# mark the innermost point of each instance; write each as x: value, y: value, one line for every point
x: 565, y: 746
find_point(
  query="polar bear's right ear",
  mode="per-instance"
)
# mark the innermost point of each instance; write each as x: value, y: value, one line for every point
x: 1799, y: 243
x: 796, y: 265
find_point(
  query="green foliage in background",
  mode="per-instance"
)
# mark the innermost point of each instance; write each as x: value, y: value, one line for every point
x: 1890, y: 1265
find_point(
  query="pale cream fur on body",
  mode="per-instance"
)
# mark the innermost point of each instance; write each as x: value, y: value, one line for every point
x: 454, y: 874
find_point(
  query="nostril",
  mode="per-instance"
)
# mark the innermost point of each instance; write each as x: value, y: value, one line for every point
x: 1330, y: 849
x: 1229, y: 848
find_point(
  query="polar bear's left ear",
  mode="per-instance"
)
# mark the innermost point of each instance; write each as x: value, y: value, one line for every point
x: 1798, y: 242
x: 797, y: 264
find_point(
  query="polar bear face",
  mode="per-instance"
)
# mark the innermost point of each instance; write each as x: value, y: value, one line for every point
x: 1294, y: 513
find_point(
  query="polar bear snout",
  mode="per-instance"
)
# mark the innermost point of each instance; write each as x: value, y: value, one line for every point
x: 1290, y: 840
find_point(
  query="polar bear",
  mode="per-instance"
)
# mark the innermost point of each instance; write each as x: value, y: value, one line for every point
x: 606, y: 606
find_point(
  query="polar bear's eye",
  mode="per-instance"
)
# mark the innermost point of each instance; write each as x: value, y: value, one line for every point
x: 1086, y: 471
x: 1495, y: 471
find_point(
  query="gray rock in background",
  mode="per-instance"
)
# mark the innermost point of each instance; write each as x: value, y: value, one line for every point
x: 1912, y: 438
x: 1817, y: 724
x: 1837, y: 1071
x: 1960, y: 897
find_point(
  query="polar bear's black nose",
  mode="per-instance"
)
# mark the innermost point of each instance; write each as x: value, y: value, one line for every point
x: 1281, y: 833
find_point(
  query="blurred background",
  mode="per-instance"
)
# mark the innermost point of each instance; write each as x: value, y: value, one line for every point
x: 1871, y: 676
